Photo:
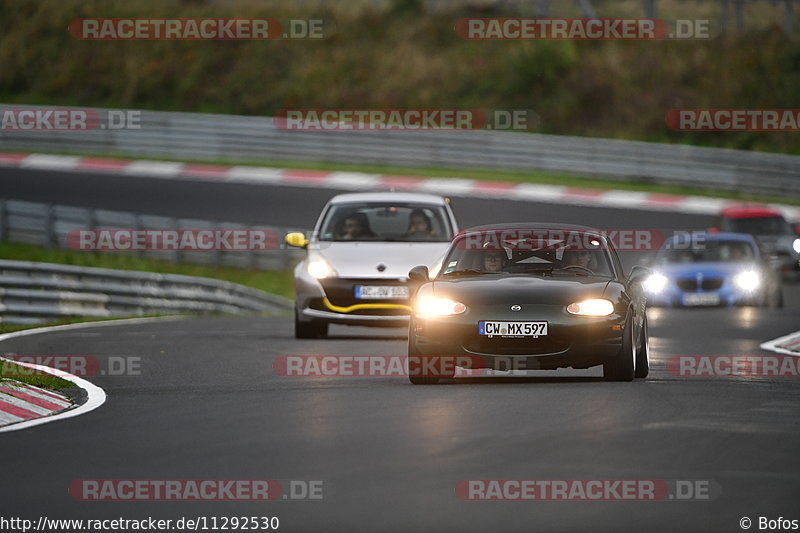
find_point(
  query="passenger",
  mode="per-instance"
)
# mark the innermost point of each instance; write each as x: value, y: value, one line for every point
x: 494, y: 261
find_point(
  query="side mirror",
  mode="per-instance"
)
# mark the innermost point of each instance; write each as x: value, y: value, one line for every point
x: 419, y: 273
x: 298, y: 240
x: 638, y: 274
x: 713, y: 229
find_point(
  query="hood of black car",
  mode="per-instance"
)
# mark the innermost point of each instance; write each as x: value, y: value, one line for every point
x: 491, y: 289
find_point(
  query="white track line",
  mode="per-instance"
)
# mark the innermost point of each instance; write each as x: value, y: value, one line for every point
x: 96, y: 395
x: 773, y: 345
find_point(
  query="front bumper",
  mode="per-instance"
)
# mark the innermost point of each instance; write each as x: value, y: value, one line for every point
x: 577, y: 342
x: 724, y: 298
x: 332, y: 300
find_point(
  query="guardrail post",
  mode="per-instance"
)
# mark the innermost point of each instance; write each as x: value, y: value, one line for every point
x: 49, y: 229
x: 3, y: 220
x: 650, y: 9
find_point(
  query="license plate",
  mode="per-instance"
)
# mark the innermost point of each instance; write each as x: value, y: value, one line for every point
x: 512, y: 329
x: 701, y: 298
x: 381, y: 292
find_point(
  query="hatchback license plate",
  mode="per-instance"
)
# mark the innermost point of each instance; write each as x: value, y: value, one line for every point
x: 381, y: 292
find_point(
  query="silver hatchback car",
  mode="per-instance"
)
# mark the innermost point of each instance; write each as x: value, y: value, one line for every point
x: 356, y: 268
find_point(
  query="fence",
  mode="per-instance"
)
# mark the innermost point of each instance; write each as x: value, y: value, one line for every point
x: 32, y: 292
x: 228, y: 137
x: 48, y: 226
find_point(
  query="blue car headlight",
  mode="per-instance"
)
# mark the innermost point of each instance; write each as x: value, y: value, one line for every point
x: 747, y: 281
x: 655, y: 283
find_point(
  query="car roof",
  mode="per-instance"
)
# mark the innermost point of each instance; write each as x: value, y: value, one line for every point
x: 388, y: 196
x: 750, y: 212
x: 531, y: 226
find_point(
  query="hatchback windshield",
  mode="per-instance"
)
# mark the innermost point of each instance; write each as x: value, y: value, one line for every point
x: 537, y: 252
x: 386, y: 221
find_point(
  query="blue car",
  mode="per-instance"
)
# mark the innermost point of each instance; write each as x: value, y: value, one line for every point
x: 712, y: 269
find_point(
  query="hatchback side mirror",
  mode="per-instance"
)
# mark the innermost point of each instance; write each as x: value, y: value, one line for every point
x: 419, y: 273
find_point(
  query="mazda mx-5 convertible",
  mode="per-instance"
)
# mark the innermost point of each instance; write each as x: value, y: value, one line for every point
x: 528, y: 297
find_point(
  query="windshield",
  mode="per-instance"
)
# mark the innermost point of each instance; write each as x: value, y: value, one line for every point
x: 728, y: 251
x: 386, y: 221
x: 536, y: 252
x: 759, y: 226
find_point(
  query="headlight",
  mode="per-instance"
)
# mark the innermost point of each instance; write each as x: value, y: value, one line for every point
x: 655, y: 283
x: 431, y: 307
x: 747, y: 281
x: 796, y: 245
x: 319, y: 268
x: 596, y: 307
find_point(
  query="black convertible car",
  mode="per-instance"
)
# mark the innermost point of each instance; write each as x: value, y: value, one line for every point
x: 528, y: 296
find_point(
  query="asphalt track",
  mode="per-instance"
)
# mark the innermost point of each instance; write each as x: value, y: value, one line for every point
x: 209, y: 405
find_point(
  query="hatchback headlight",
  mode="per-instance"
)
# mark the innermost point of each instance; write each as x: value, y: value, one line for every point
x: 320, y: 269
x: 594, y: 307
x: 747, y: 281
x: 433, y: 307
x: 796, y: 245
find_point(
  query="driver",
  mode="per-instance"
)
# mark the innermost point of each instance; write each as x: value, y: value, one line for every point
x: 419, y: 224
x: 580, y: 259
x: 354, y: 227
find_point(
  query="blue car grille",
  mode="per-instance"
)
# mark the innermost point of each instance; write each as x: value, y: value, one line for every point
x: 707, y: 284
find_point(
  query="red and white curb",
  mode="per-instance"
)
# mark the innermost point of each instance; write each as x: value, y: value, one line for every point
x: 360, y: 181
x: 20, y: 402
x: 788, y: 344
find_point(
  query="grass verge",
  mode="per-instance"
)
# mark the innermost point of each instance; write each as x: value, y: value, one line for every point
x: 23, y: 374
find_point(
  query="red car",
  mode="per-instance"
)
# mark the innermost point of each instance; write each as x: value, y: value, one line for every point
x: 776, y: 237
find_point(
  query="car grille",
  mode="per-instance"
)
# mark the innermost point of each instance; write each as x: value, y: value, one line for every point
x: 529, y: 346
x: 708, y: 284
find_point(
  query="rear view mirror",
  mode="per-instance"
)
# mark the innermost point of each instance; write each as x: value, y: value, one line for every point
x: 638, y: 274
x: 419, y: 273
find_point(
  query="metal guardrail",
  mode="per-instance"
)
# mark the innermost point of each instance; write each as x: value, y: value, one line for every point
x: 230, y: 137
x: 48, y: 225
x: 32, y: 292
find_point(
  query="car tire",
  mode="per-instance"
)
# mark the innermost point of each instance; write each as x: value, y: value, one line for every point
x: 643, y: 354
x: 415, y: 363
x: 309, y: 330
x: 621, y: 367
